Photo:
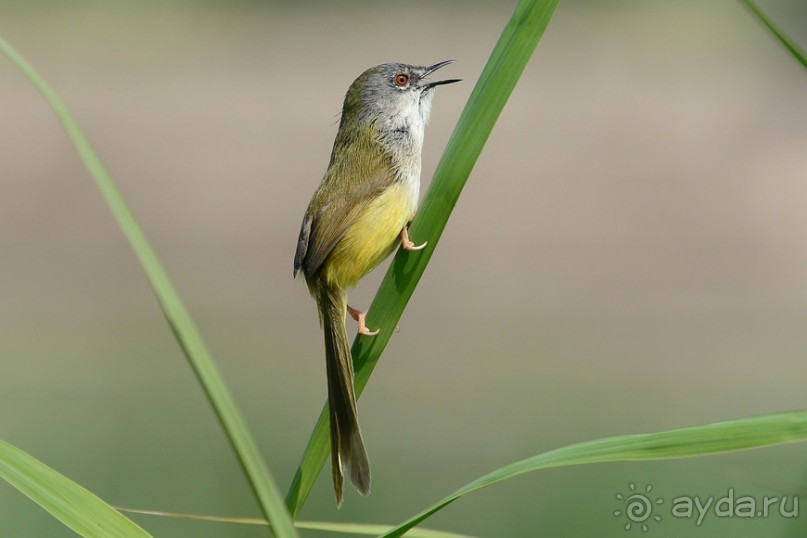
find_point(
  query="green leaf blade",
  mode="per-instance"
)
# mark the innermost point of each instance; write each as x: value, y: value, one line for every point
x: 255, y: 469
x: 68, y: 502
x: 783, y: 38
x: 740, y: 434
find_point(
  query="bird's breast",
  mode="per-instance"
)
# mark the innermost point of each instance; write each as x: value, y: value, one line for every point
x: 375, y: 233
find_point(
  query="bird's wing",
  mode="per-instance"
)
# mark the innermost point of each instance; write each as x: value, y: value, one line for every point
x: 338, y: 203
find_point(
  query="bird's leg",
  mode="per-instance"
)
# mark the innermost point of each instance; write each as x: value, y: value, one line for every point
x: 359, y: 316
x: 406, y: 243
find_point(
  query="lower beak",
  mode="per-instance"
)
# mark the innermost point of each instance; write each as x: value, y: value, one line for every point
x: 431, y: 69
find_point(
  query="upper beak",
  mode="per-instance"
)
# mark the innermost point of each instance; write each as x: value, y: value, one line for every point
x: 431, y: 69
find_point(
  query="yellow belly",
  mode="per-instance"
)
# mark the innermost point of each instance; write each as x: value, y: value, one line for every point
x: 371, y: 238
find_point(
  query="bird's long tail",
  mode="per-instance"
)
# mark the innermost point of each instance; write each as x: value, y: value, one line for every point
x: 347, y: 446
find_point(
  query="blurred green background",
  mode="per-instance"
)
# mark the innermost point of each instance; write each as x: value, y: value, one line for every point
x: 629, y: 255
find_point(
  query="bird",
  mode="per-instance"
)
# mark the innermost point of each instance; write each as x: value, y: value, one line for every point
x: 356, y: 218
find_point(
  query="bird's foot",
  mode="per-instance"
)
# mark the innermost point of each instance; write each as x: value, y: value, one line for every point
x: 407, y: 244
x: 359, y: 316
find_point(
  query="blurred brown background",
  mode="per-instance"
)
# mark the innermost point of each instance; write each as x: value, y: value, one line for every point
x: 629, y: 255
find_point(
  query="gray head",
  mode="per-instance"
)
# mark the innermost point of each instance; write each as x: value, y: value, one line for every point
x: 393, y: 96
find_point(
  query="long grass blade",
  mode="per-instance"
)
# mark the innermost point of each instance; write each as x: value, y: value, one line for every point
x: 694, y: 441
x: 68, y: 502
x: 502, y: 71
x: 365, y: 529
x: 353, y: 529
x: 783, y: 38
x: 263, y: 486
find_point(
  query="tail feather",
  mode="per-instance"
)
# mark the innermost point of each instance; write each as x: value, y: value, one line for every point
x: 347, y: 446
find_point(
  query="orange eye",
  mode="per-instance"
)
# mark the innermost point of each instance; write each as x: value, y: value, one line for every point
x: 401, y: 79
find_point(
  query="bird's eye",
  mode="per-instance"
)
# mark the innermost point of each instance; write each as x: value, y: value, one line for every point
x: 401, y: 79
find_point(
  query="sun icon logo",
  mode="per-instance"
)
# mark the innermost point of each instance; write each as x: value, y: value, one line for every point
x: 638, y: 507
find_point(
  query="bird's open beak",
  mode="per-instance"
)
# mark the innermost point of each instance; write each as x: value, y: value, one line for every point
x: 431, y: 69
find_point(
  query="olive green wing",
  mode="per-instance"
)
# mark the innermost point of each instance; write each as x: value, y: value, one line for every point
x: 334, y: 208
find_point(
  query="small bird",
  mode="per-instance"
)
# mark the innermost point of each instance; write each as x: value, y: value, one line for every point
x: 356, y: 218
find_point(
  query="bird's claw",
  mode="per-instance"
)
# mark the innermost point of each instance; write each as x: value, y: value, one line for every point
x: 409, y: 245
x: 359, y: 316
